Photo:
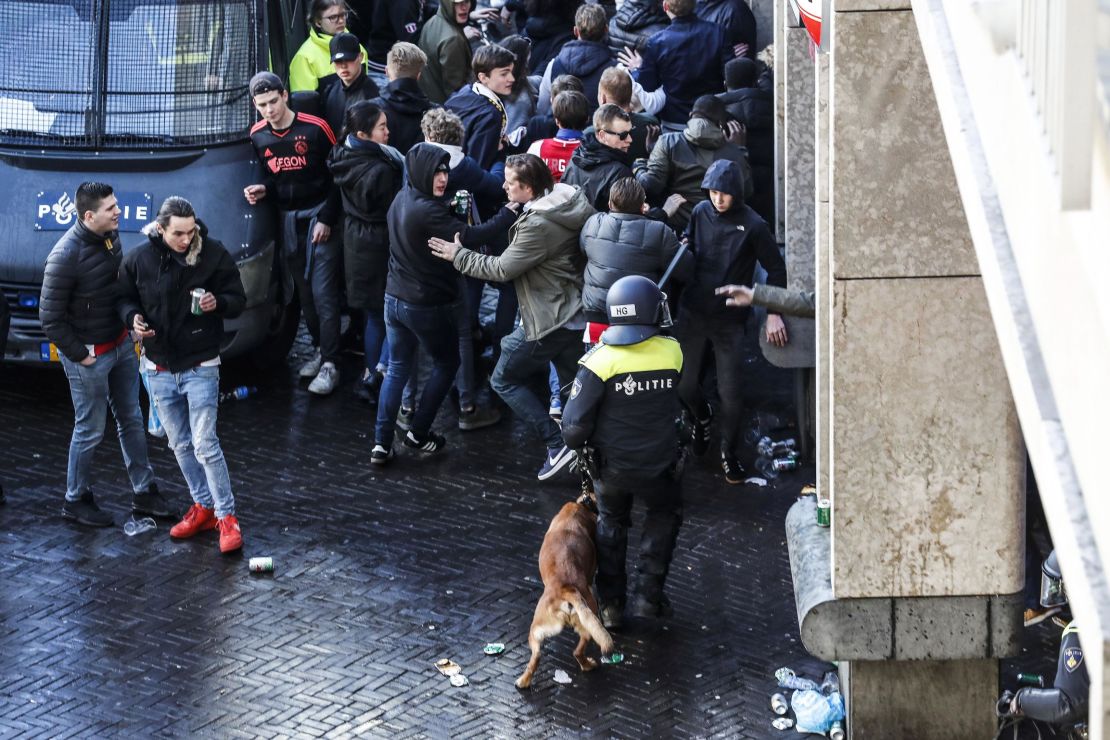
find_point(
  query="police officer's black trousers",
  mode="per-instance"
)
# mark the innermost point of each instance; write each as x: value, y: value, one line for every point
x: 615, y: 495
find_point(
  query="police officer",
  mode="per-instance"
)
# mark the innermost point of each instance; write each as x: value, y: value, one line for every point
x: 1065, y: 704
x: 623, y: 407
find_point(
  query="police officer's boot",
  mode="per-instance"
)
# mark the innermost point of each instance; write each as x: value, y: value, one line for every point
x: 648, y: 599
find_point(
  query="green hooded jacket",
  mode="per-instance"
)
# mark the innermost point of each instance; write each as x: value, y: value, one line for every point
x: 448, y: 53
x: 542, y: 260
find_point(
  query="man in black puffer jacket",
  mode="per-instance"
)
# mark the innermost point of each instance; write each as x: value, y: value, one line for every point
x: 181, y: 353
x: 635, y: 22
x: 625, y: 242
x: 79, y: 314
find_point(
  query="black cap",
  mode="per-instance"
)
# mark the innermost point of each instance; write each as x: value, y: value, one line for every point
x: 711, y: 109
x: 344, y: 47
x: 265, y: 82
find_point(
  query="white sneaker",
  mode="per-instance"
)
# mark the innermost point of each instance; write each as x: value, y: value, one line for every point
x: 311, y: 368
x: 325, y: 382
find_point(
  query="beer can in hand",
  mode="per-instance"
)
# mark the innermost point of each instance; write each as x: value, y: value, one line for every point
x: 197, y: 294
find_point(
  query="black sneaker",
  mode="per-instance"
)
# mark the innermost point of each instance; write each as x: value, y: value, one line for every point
x: 380, y: 455
x: 478, y: 417
x: 151, y: 503
x: 431, y: 443
x: 734, y: 471
x: 699, y: 436
x: 85, y: 511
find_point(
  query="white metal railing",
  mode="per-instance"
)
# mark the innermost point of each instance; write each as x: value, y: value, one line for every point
x: 1056, y: 42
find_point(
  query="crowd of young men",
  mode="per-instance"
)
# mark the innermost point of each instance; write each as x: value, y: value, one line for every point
x: 405, y: 199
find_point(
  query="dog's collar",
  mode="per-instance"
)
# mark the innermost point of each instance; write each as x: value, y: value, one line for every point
x: 586, y: 500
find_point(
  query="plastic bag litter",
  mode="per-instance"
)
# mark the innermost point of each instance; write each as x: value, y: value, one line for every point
x: 562, y: 676
x: 816, y: 712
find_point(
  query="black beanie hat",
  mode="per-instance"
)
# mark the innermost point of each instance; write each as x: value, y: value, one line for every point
x: 711, y: 109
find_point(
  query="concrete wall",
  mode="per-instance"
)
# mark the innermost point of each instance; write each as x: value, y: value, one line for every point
x: 927, y: 465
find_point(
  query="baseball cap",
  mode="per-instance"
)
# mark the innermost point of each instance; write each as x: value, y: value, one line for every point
x: 344, y: 47
x: 265, y: 82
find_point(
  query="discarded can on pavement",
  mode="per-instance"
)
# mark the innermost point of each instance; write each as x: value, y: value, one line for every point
x: 836, y: 732
x: 197, y: 294
x: 824, y: 512
x: 784, y: 464
x: 782, y: 723
x: 612, y: 658
x: 1031, y: 679
x: 261, y: 565
x: 779, y: 705
x: 494, y: 648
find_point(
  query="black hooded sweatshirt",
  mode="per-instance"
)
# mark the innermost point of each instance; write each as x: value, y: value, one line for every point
x: 594, y: 167
x: 415, y: 274
x: 726, y: 247
x: 404, y: 103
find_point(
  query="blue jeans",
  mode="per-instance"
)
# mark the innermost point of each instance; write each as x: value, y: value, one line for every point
x: 407, y: 327
x: 186, y: 403
x: 524, y: 365
x: 113, y: 380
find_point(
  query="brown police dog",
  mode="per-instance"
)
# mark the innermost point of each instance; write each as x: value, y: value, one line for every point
x: 568, y: 560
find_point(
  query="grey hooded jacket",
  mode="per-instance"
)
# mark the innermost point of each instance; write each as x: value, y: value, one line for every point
x: 679, y: 161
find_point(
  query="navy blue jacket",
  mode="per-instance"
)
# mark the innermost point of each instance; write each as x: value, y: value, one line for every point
x: 726, y: 247
x: 483, y: 122
x: 735, y: 16
x: 687, y: 60
x: 586, y: 60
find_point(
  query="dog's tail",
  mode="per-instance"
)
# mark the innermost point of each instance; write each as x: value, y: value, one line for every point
x: 588, y: 619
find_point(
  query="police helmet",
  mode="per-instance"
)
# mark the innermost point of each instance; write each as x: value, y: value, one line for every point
x: 1053, y: 592
x: 636, y: 309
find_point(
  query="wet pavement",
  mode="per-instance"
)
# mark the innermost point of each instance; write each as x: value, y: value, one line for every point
x: 378, y: 573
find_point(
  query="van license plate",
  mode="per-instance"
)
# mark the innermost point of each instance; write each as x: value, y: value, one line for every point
x: 48, y: 352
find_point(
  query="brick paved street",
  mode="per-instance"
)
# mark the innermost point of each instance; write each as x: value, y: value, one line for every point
x: 378, y: 574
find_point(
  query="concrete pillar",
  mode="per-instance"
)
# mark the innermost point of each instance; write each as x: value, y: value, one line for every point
x: 925, y: 465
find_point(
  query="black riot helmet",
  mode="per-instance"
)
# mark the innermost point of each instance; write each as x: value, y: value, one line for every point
x: 1053, y: 592
x: 636, y: 310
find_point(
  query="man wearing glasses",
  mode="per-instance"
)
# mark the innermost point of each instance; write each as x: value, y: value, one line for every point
x: 311, y: 67
x: 602, y: 157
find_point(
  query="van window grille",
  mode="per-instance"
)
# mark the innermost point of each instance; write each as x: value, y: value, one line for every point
x: 126, y: 74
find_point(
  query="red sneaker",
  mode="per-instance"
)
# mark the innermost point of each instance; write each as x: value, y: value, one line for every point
x: 197, y: 519
x: 231, y: 539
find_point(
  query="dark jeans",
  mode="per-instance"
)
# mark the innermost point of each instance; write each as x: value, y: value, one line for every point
x: 523, y: 364
x: 318, y: 277
x: 615, y: 495
x: 408, y: 326
x: 726, y: 342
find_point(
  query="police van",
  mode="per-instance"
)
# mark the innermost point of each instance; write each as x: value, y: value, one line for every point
x: 151, y: 97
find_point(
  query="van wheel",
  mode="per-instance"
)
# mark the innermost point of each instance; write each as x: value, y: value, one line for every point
x: 280, y: 334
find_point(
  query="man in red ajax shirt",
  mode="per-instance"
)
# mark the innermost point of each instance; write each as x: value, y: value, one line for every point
x: 571, y: 110
x: 292, y: 150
